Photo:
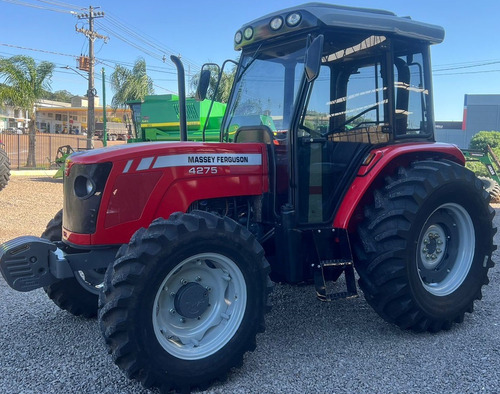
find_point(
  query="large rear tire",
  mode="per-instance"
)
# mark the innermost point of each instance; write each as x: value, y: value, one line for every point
x: 184, y: 301
x: 4, y: 168
x: 425, y: 246
x: 79, y: 295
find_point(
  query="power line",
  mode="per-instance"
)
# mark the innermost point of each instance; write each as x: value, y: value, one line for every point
x: 467, y: 66
x: 147, y: 39
x: 468, y: 72
x: 36, y: 50
x: 61, y: 4
x: 17, y: 2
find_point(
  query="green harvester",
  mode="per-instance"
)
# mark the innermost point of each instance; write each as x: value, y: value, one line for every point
x: 156, y: 118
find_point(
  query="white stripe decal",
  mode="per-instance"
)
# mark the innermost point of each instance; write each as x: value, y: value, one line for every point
x: 127, y: 167
x: 145, y: 163
x: 213, y: 159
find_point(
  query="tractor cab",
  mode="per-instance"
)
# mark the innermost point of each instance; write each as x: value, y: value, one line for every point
x: 323, y: 86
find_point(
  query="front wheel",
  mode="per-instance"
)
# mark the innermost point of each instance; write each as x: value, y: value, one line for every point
x: 79, y: 295
x: 184, y: 301
x: 425, y: 246
x: 4, y: 168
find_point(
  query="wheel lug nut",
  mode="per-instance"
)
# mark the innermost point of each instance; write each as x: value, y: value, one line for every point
x: 182, y: 320
x: 172, y: 311
x: 434, y: 257
x: 438, y: 250
x: 183, y: 281
x: 172, y: 294
x: 198, y: 279
x: 439, y: 242
x: 208, y: 288
x: 425, y: 250
x: 426, y: 241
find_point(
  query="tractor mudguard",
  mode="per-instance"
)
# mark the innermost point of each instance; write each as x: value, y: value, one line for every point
x: 387, y: 157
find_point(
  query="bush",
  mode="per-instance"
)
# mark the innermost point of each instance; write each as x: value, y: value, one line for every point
x: 479, y: 142
x: 484, y: 138
x: 478, y: 168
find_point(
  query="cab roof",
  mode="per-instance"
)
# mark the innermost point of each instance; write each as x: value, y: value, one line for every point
x: 322, y: 15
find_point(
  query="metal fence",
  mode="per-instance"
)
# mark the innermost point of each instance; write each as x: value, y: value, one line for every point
x: 46, y: 147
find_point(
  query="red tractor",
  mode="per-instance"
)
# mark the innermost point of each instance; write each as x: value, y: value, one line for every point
x: 326, y: 163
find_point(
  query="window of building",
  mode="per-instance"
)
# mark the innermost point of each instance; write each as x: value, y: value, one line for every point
x: 50, y: 115
x: 58, y: 117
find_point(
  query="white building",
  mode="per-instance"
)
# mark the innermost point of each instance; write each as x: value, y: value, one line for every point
x: 13, y: 119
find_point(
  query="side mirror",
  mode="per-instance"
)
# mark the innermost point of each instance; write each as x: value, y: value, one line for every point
x: 203, y: 84
x: 312, y: 61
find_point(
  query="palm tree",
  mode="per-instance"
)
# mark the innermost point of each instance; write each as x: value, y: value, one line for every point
x: 224, y: 89
x: 130, y: 85
x: 25, y: 83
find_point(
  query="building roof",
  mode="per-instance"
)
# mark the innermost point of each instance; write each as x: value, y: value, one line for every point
x: 51, y: 104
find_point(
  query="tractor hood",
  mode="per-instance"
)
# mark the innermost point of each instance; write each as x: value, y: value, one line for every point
x: 123, y: 188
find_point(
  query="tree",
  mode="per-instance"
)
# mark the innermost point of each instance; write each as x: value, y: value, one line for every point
x: 130, y: 85
x: 24, y: 83
x: 222, y: 93
x: 59, y: 95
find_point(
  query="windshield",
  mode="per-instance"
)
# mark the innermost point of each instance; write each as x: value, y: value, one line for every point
x: 265, y: 89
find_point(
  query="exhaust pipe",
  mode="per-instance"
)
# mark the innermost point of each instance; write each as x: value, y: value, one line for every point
x: 182, y: 96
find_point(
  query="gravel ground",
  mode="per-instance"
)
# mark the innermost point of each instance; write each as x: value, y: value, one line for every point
x: 308, y: 346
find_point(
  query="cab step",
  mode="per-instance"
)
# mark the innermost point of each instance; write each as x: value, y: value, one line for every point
x: 320, y: 282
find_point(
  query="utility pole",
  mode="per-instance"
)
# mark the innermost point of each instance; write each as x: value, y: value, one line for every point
x: 91, y: 92
x: 104, y: 112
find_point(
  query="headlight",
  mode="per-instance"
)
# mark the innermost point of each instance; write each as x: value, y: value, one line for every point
x: 248, y: 33
x: 84, y: 187
x: 276, y: 23
x: 238, y: 37
x: 293, y: 19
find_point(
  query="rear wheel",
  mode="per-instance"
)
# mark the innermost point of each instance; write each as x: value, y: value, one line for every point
x: 79, y: 295
x: 425, y: 246
x: 4, y: 168
x: 184, y: 301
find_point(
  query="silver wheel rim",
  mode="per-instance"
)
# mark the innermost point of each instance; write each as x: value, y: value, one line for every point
x: 445, y: 249
x: 91, y: 280
x: 193, y: 338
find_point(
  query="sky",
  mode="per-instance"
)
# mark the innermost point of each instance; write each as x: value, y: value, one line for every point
x: 467, y: 62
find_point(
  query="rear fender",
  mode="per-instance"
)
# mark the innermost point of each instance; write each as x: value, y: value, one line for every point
x: 384, y: 161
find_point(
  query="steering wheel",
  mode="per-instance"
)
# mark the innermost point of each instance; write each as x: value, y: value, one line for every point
x: 339, y: 128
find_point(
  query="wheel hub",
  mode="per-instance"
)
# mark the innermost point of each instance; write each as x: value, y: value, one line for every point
x: 434, y: 245
x: 445, y: 249
x: 191, y: 300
